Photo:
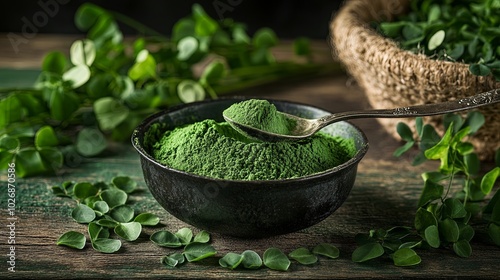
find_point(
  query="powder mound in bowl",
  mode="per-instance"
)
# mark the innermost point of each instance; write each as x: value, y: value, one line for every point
x: 216, y: 150
x: 260, y: 114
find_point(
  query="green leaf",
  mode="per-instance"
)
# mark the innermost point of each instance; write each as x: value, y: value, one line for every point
x: 431, y: 192
x: 122, y: 213
x: 114, y: 197
x: 109, y: 112
x: 29, y: 162
x: 434, y: 13
x: 185, y: 235
x: 367, y: 252
x: 144, y: 67
x: 440, y: 150
x: 405, y: 257
x: 129, y: 231
x: 124, y: 183
x: 46, y: 137
x: 449, y: 230
x: 183, y: 28
x: 303, y: 256
x: 190, y: 91
x: 186, y: 48
x: 100, y: 207
x: 265, y: 38
x: 474, y: 120
x: 9, y: 143
x: 213, y: 72
x: 173, y: 260
x: 429, y: 137
x: 83, y: 214
x: 251, y: 260
x: 197, y: 251
x: 462, y: 248
x: 82, y: 52
x: 494, y: 233
x: 96, y: 231
x: 105, y: 245
x: 107, y: 223
x: 87, y: 15
x: 466, y: 232
x: 147, y: 219
x: 327, y: 250
x: 391, y: 29
x: 472, y: 163
x: 83, y: 190
x: 455, y: 120
x: 431, y: 235
x: 165, y: 239
x: 479, y: 69
x: 54, y: 62
x: 10, y: 110
x: 205, y: 25
x: 404, y: 132
x: 231, y: 260
x: 90, y: 142
x: 497, y: 158
x: 401, y: 150
x: 436, y: 40
x: 63, y: 104
x: 72, y: 239
x: 275, y: 259
x: 78, y: 75
x: 202, y: 237
x: 489, y: 180
x: 454, y: 209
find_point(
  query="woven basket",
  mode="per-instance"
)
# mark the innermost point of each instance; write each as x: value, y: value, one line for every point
x: 392, y: 77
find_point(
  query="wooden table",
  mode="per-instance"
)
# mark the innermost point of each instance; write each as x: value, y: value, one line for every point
x: 384, y: 195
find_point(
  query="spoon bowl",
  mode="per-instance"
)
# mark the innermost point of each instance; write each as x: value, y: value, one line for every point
x: 307, y: 127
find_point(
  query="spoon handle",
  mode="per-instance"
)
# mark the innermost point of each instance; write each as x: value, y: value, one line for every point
x: 478, y: 100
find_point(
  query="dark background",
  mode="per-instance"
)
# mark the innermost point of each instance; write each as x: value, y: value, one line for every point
x: 289, y: 19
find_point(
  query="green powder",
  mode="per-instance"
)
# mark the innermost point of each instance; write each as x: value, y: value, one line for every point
x: 216, y: 150
x: 260, y: 114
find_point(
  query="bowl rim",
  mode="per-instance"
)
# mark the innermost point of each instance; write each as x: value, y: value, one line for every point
x: 142, y: 128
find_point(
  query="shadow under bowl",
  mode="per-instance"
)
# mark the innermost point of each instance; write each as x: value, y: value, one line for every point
x: 250, y: 209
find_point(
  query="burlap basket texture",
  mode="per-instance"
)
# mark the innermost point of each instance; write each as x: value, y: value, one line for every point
x: 392, y: 77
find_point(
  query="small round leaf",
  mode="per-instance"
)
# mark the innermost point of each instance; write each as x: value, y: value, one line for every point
x: 72, y: 239
x: 275, y: 259
x: 231, y: 260
x: 83, y: 214
x: 129, y: 231
x: 406, y: 257
x: 367, y: 252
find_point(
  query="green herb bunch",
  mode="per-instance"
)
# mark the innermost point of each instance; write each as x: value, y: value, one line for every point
x: 452, y: 30
x: 108, y: 84
x: 452, y: 200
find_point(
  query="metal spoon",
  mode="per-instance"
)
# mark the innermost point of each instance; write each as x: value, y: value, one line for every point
x: 307, y: 127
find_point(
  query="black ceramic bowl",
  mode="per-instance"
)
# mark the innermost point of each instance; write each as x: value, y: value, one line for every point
x: 247, y: 208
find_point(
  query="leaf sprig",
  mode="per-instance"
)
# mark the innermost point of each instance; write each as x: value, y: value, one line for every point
x: 103, y: 207
x: 458, y: 31
x: 443, y: 219
x: 109, y: 85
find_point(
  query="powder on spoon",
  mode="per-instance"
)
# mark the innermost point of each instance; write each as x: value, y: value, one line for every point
x: 260, y: 114
x: 216, y: 150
